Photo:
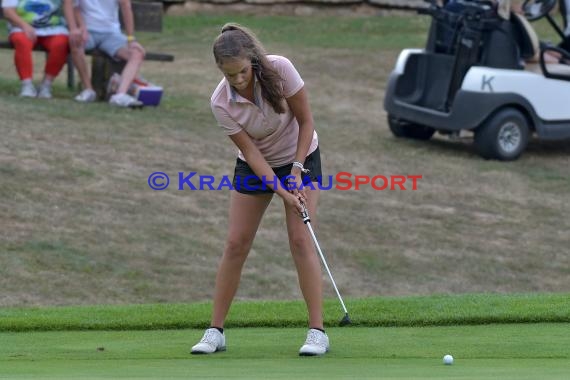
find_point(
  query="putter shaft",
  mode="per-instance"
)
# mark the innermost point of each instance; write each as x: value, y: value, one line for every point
x: 307, y: 221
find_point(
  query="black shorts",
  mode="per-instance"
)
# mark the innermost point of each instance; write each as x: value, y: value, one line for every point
x: 247, y: 182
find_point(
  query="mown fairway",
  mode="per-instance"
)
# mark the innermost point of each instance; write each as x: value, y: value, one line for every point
x: 528, y: 351
x: 148, y: 341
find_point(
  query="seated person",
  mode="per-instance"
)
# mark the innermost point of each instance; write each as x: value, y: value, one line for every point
x: 528, y: 42
x: 33, y: 23
x: 95, y: 24
x: 506, y: 9
x: 527, y: 38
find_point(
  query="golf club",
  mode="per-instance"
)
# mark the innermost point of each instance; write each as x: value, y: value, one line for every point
x: 307, y: 220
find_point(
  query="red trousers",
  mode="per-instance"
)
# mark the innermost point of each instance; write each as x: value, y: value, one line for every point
x: 57, y: 48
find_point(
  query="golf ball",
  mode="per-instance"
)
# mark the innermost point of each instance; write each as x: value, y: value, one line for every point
x: 448, y: 360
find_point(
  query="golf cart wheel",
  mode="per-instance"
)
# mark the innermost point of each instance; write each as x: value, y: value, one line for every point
x: 402, y: 128
x: 504, y: 136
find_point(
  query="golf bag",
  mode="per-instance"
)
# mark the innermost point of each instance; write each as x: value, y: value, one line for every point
x: 473, y: 33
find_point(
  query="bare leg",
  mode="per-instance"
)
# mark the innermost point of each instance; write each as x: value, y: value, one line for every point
x: 80, y: 63
x: 134, y: 57
x: 306, y: 259
x: 245, y: 215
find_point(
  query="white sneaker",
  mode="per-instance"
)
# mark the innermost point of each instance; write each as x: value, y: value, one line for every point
x: 44, y: 92
x: 317, y: 343
x: 212, y: 341
x: 125, y: 100
x: 86, y: 96
x: 28, y: 91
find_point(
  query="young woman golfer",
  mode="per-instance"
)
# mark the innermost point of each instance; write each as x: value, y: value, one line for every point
x: 261, y: 104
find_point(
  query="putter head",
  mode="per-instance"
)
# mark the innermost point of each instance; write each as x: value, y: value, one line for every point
x: 345, y: 320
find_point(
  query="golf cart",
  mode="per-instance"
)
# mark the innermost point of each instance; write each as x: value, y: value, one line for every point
x: 472, y: 76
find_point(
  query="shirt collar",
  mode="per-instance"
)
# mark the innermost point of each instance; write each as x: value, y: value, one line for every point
x: 234, y: 97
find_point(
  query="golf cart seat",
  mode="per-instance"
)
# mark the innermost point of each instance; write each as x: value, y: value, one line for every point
x: 527, y: 38
x: 515, y: 36
x: 519, y: 42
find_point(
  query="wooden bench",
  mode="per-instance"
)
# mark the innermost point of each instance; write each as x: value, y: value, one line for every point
x: 148, y: 18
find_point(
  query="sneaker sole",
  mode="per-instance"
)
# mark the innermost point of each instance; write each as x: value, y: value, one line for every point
x: 312, y: 353
x: 309, y: 354
x: 207, y: 353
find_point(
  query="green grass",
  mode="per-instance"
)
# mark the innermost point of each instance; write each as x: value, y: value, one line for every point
x: 370, y: 312
x: 80, y: 226
x: 321, y: 32
x: 437, y: 325
x: 514, y: 352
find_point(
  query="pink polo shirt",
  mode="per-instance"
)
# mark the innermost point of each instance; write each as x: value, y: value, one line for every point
x: 275, y: 135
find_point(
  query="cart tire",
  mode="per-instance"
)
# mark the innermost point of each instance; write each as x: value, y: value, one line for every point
x: 404, y: 129
x: 503, y: 136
